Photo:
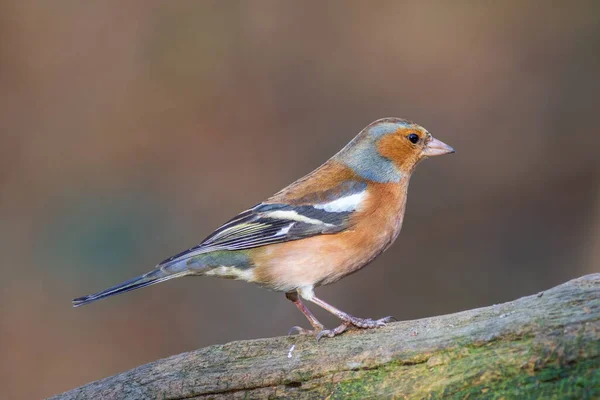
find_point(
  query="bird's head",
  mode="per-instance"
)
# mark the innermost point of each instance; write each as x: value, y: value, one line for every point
x: 389, y: 148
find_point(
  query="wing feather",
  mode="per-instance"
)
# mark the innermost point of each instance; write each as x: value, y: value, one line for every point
x: 269, y: 223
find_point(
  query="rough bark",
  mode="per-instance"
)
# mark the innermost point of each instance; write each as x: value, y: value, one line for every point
x: 541, y: 346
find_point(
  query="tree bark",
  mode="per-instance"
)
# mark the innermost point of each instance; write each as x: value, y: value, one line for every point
x: 541, y: 346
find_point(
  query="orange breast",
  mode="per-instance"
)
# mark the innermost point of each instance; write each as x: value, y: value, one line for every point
x: 324, y: 259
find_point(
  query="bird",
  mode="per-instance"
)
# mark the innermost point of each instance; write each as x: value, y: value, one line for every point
x: 319, y: 229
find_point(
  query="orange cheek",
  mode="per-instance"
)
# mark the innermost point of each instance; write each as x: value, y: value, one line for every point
x: 397, y: 148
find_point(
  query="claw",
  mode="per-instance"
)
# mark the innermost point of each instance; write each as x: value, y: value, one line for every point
x: 333, y: 332
x: 325, y: 332
x: 300, y: 331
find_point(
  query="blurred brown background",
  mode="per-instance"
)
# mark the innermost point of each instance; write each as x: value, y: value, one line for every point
x: 130, y: 130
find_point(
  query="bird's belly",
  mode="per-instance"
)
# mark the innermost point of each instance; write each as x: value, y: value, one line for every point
x: 318, y: 260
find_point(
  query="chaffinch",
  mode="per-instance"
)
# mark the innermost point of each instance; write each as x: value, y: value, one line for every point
x: 324, y: 226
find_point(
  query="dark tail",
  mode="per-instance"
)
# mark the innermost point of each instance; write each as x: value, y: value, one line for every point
x: 156, y: 276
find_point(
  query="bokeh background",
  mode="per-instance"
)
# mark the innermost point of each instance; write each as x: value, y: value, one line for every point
x: 130, y: 130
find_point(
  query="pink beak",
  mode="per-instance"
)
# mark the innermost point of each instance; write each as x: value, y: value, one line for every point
x: 436, y: 148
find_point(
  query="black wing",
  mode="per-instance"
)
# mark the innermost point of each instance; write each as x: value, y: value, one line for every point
x: 268, y: 224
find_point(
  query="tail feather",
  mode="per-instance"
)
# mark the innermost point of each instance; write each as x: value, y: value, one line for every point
x: 156, y: 276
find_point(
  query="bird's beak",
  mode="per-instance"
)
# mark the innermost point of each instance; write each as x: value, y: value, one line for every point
x: 436, y: 148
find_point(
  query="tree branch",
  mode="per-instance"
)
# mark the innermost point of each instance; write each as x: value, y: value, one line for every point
x: 542, y: 345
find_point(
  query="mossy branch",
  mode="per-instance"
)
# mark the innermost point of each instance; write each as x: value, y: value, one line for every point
x: 542, y: 346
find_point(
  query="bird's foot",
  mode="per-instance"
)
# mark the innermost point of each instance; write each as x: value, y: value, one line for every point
x: 360, y: 323
x: 353, y: 322
x: 368, y: 323
x: 298, y: 330
x: 333, y: 332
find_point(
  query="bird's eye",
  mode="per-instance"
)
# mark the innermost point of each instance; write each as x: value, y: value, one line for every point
x: 413, y: 137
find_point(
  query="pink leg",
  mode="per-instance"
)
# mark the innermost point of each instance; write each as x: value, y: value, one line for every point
x: 348, y: 320
x: 318, y: 327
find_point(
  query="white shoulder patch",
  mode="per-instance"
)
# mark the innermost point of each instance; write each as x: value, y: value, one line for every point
x: 343, y: 204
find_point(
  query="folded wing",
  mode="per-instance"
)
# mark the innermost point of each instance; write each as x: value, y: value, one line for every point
x: 270, y: 223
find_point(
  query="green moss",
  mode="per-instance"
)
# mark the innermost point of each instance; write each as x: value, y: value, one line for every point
x: 368, y: 384
x: 580, y: 381
x: 504, y: 368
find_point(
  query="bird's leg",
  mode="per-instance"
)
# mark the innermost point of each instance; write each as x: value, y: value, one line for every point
x: 347, y: 319
x: 318, y: 327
